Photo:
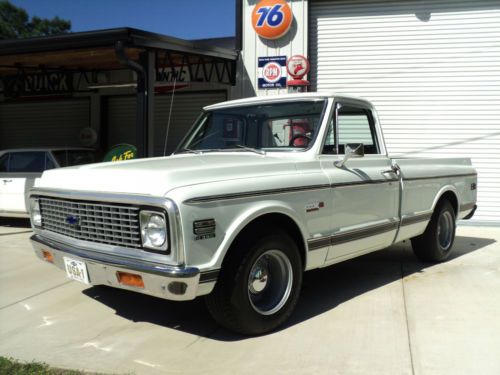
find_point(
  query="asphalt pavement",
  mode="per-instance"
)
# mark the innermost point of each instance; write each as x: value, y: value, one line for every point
x: 384, y: 313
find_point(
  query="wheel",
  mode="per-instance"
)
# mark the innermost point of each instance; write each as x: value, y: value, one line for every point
x: 435, y: 244
x: 258, y: 286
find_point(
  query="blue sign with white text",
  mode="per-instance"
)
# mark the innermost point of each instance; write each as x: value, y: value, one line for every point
x: 272, y: 72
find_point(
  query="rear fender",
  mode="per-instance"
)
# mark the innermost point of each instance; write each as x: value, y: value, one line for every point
x: 445, y: 189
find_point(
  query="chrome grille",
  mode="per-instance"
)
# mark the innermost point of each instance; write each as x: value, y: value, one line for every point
x: 92, y: 221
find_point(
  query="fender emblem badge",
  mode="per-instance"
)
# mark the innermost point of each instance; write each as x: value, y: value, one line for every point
x: 314, y: 206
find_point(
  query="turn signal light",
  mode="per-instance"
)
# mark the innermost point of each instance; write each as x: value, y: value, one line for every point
x: 130, y: 279
x: 48, y: 256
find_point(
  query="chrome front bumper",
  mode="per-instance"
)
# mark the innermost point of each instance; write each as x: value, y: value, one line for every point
x: 169, y: 282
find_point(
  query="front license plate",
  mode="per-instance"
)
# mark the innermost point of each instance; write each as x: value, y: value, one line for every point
x: 76, y: 270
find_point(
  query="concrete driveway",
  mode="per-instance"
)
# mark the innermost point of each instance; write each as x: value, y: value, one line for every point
x: 385, y: 313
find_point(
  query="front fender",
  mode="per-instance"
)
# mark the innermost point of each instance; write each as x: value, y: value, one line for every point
x: 249, y: 214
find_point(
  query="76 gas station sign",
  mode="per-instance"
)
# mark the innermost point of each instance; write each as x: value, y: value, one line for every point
x: 271, y: 19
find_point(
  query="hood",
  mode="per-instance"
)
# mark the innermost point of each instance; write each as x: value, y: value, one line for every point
x: 157, y: 176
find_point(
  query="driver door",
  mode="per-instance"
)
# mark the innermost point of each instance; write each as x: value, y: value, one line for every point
x: 364, y: 191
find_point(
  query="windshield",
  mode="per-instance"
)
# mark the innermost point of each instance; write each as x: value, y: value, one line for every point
x: 68, y: 158
x: 286, y: 126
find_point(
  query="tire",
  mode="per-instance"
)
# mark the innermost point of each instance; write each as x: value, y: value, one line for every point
x: 436, y: 243
x: 259, y: 285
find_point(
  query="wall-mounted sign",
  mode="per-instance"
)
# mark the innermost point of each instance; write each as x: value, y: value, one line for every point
x: 297, y: 66
x: 271, y: 19
x: 121, y: 152
x: 88, y: 137
x: 38, y: 84
x: 272, y: 72
x: 177, y: 74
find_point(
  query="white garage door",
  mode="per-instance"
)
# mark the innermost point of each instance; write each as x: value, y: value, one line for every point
x: 186, y: 108
x: 432, y: 68
x: 43, y: 124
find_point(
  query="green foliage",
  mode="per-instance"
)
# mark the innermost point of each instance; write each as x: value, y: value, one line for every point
x: 12, y: 367
x: 8, y: 366
x: 15, y: 23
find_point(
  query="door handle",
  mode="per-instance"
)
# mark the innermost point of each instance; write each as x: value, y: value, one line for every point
x: 395, y: 169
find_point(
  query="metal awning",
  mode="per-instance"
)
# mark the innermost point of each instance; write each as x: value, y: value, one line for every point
x: 151, y: 56
x: 95, y: 50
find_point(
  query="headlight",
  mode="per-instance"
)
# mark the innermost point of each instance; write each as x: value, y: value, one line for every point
x: 154, y: 230
x: 35, y: 214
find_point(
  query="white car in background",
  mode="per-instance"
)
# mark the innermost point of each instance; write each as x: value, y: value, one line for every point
x: 19, y: 168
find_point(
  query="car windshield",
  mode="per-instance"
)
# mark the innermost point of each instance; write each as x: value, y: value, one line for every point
x: 68, y: 158
x: 288, y: 126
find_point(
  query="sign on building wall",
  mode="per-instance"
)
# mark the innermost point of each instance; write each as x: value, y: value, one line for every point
x: 297, y: 67
x: 272, y: 72
x: 271, y: 19
x: 177, y: 74
x: 121, y: 152
x: 45, y: 83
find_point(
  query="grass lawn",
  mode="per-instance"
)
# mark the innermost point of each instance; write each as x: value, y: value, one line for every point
x: 9, y: 366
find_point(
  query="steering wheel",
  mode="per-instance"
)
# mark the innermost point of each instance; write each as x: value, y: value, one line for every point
x: 297, y: 136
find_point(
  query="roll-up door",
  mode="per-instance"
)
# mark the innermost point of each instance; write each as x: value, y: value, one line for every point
x: 186, y: 108
x: 121, y: 119
x: 431, y: 67
x: 43, y: 123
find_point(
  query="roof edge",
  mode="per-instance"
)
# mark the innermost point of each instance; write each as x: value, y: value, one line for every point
x: 107, y: 38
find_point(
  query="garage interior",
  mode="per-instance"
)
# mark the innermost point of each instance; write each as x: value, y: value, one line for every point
x: 127, y: 85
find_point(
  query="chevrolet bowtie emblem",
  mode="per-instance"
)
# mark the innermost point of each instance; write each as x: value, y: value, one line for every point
x: 73, y: 220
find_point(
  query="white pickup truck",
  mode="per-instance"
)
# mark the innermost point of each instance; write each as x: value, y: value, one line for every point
x: 259, y: 191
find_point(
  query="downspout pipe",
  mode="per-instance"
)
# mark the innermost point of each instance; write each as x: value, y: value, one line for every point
x: 122, y: 57
x: 142, y: 110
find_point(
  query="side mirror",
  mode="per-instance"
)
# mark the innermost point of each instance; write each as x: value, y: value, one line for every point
x: 352, y: 150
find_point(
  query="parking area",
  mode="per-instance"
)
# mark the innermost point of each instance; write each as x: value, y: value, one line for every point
x: 384, y: 313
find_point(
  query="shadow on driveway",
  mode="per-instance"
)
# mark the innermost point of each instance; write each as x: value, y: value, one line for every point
x: 14, y: 226
x: 15, y: 222
x: 322, y: 290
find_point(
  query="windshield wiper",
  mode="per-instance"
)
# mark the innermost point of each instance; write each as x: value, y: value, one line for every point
x: 197, y: 152
x: 251, y: 149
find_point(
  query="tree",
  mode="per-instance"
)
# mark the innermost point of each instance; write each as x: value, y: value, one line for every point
x: 15, y: 23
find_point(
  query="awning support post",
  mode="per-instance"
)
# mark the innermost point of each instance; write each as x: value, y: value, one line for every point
x: 145, y: 101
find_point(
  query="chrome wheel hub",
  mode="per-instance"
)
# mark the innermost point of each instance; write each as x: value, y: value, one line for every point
x: 258, y: 277
x: 445, y: 230
x: 270, y: 282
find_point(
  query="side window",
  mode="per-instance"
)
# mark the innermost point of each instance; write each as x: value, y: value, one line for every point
x: 356, y: 126
x: 4, y: 163
x: 329, y: 147
x: 27, y: 162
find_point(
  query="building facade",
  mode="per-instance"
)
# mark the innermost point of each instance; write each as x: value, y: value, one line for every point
x: 108, y: 87
x: 431, y: 67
